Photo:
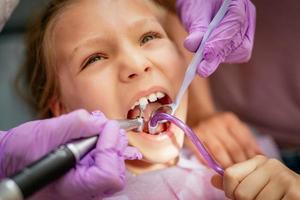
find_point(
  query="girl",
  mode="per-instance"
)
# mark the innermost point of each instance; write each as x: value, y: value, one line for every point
x: 113, y: 56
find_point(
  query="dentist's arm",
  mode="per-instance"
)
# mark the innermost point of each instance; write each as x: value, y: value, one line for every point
x: 100, y: 173
x: 6, y: 9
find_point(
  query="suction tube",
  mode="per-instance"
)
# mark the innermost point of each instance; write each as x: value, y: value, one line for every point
x: 191, y: 135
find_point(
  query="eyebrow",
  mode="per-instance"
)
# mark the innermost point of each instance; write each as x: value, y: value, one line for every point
x: 90, y: 41
x: 142, y: 23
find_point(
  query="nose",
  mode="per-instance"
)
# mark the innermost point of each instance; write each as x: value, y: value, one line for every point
x: 134, y: 66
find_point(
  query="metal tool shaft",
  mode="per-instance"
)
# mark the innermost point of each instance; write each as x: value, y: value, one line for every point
x: 81, y: 147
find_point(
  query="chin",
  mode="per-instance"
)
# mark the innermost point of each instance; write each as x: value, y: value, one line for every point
x: 158, y: 148
x: 167, y: 155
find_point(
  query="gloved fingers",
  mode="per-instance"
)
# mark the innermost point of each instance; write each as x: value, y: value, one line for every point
x: 75, y: 125
x: 191, y: 15
x: 132, y: 153
x: 109, y: 138
x: 96, y: 170
x: 97, y: 175
x: 226, y: 38
x: 87, y: 160
x: 252, y: 21
x: 128, y: 153
x: 209, y: 65
x: 195, y: 22
x: 108, y: 154
x: 109, y: 166
x: 123, y: 141
x: 193, y: 40
x: 109, y: 161
x: 216, y: 51
x: 243, y: 52
x: 232, y: 40
x: 108, y: 173
x: 110, y: 169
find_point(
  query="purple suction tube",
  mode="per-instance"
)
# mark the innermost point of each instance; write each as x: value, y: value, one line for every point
x: 191, y: 135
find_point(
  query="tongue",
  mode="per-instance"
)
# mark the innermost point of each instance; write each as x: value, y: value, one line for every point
x: 149, y: 109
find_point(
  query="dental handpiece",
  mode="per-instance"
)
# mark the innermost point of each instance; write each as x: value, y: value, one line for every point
x: 53, y: 165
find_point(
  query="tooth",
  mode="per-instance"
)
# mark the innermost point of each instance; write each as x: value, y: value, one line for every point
x: 152, y: 98
x: 160, y: 95
x: 135, y: 104
x: 143, y: 103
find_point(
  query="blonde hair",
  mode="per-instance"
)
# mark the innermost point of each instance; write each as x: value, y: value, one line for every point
x: 39, y: 71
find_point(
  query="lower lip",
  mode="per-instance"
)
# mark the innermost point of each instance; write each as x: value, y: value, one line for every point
x: 161, y: 136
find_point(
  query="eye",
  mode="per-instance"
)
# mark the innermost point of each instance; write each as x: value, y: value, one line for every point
x: 148, y: 37
x: 93, y: 59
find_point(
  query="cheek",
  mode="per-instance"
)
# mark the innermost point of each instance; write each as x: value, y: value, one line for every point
x: 91, y: 90
x: 166, y: 52
x: 172, y: 64
x: 175, y: 65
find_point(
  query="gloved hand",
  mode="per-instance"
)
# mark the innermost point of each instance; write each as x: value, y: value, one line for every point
x: 101, y: 172
x: 231, y: 41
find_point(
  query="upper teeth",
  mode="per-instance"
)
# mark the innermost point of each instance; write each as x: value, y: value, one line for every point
x: 144, y: 101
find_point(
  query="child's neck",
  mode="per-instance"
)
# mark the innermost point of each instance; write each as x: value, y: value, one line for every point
x: 139, y: 167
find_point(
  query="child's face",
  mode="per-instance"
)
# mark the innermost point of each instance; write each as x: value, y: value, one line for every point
x: 110, y: 54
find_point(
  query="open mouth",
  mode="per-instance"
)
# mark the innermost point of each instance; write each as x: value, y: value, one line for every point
x: 150, y: 103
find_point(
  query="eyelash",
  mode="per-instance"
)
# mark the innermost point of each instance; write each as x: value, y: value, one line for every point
x: 155, y: 35
x: 92, y: 59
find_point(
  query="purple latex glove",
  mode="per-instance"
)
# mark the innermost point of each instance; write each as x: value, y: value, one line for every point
x: 101, y: 172
x: 231, y: 41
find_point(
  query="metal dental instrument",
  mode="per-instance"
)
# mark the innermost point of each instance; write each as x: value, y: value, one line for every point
x: 54, y: 165
x: 192, y: 68
x: 165, y: 113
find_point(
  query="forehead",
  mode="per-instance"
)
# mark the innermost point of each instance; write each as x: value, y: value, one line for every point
x: 105, y: 13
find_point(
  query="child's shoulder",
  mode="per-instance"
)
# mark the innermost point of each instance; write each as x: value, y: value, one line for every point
x: 189, y: 179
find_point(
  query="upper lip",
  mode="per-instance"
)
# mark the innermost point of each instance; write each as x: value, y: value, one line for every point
x: 145, y: 93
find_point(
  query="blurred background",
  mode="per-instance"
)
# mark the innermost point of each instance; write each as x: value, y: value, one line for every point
x: 13, y: 109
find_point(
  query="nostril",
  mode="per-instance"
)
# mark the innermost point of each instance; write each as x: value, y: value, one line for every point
x: 131, y: 76
x: 147, y: 69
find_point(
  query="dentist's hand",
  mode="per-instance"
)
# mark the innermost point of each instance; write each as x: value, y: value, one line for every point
x: 101, y: 172
x: 231, y: 41
x: 259, y: 178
